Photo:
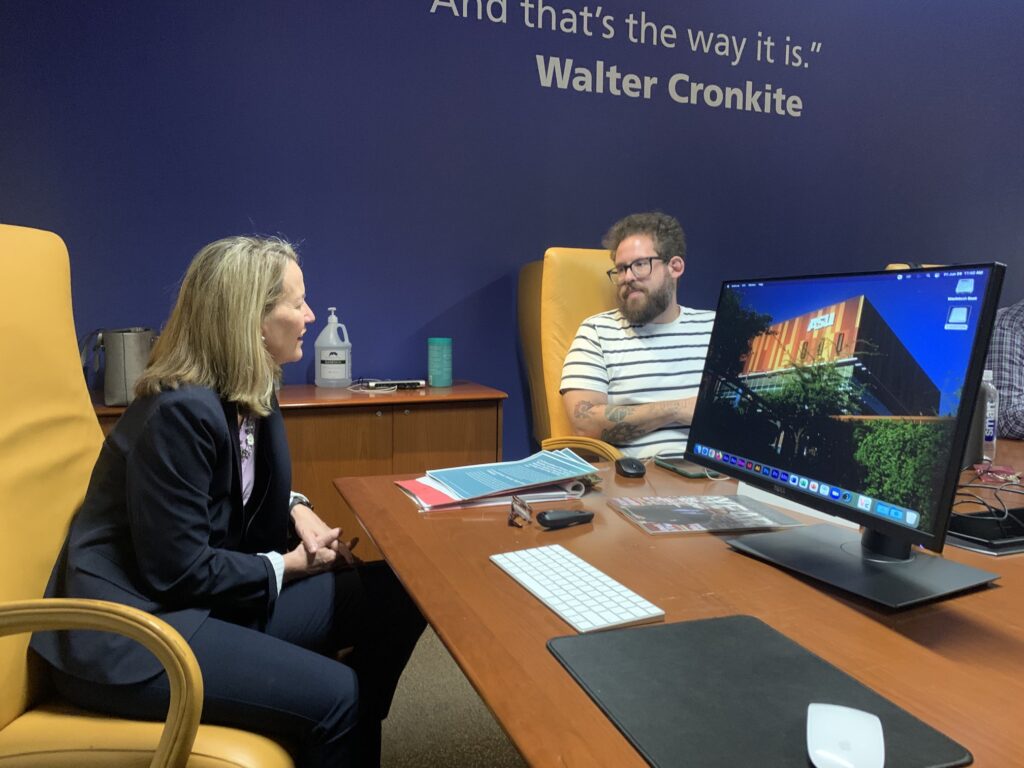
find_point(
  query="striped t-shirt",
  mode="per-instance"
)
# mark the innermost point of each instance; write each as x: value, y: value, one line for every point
x: 641, y: 364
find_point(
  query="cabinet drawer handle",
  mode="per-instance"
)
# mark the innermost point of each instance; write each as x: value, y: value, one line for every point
x: 379, y: 413
x: 406, y: 411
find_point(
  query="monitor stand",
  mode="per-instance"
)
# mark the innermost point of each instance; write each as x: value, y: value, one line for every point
x: 837, y: 556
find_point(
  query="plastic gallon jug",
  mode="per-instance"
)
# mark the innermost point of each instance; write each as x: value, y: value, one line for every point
x: 333, y: 354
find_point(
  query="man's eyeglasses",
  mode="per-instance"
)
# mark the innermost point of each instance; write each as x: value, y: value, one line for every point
x: 521, y: 513
x: 640, y: 268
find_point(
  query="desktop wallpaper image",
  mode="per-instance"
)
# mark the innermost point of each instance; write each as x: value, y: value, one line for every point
x: 854, y: 381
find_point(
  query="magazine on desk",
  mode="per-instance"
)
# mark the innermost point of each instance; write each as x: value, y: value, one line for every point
x: 698, y: 514
x: 544, y: 476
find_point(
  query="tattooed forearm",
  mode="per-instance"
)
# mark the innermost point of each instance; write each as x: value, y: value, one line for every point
x: 616, y: 413
x: 618, y: 423
x: 583, y: 409
x: 628, y: 422
x: 622, y: 433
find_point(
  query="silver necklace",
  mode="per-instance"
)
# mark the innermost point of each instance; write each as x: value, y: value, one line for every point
x: 246, y: 439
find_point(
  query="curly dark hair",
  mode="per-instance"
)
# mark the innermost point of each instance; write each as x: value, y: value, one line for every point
x: 664, y: 230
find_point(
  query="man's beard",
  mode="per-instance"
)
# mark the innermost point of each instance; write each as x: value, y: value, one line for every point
x: 653, y: 305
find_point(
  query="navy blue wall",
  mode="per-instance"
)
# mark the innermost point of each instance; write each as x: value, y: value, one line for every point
x: 419, y: 162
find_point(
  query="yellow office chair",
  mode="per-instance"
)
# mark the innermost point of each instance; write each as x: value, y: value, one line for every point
x: 49, y: 440
x: 909, y: 265
x: 555, y: 296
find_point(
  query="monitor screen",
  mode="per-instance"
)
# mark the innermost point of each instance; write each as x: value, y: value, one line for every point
x: 851, y: 394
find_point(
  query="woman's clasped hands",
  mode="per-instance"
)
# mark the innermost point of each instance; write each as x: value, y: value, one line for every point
x: 321, y: 547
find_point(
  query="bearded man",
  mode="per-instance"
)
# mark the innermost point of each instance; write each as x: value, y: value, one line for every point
x: 631, y: 375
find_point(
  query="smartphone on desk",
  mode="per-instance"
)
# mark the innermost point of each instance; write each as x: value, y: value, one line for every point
x: 686, y: 468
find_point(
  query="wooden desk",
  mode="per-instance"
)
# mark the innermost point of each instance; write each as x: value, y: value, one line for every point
x: 335, y: 432
x: 957, y: 664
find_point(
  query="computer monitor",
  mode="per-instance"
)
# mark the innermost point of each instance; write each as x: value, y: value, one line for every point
x: 851, y: 394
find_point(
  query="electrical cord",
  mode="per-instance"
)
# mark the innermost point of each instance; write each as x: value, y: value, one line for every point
x: 360, y: 386
x: 1001, y: 513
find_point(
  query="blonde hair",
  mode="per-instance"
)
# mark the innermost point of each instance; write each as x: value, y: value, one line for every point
x: 213, y: 337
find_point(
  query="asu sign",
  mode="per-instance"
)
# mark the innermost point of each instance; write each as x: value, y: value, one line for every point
x: 821, y: 321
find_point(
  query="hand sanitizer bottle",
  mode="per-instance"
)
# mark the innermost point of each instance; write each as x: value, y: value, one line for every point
x: 333, y: 354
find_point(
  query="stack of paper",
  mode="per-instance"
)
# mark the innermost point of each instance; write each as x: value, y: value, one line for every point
x: 544, y: 476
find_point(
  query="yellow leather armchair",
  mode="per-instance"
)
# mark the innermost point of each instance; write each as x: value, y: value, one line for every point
x: 555, y: 296
x: 49, y: 440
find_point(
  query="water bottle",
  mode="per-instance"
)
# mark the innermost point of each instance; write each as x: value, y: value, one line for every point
x: 991, y: 400
x: 333, y: 354
x: 439, y: 361
x: 975, y: 450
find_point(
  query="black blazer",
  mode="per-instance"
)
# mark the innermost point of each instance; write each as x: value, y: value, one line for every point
x: 163, y: 528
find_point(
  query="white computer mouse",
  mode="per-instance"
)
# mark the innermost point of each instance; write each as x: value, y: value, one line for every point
x: 844, y: 737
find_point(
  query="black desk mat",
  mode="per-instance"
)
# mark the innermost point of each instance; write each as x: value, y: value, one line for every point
x: 730, y: 691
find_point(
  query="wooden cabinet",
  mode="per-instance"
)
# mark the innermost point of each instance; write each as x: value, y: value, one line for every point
x: 338, y: 433
x: 445, y: 434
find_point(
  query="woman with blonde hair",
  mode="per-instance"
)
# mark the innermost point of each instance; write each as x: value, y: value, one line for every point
x: 190, y: 516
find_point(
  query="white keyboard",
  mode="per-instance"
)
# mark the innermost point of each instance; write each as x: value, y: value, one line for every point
x: 583, y: 596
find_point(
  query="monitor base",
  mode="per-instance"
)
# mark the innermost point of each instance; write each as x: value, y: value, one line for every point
x: 835, y: 556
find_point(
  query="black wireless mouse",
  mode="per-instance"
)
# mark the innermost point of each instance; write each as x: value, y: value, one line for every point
x: 629, y: 467
x: 563, y: 518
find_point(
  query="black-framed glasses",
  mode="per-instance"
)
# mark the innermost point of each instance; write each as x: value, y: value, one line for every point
x: 640, y: 268
x: 521, y: 513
